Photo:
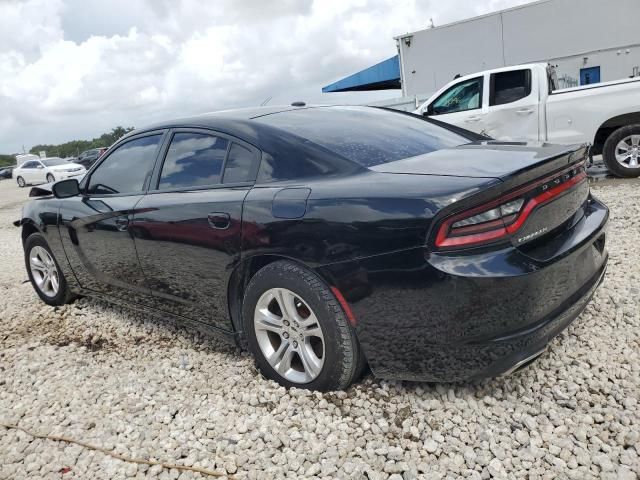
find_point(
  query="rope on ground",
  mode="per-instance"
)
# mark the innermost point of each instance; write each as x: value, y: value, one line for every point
x: 57, y: 438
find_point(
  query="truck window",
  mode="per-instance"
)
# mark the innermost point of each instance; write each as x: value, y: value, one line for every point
x: 462, y: 96
x: 507, y: 87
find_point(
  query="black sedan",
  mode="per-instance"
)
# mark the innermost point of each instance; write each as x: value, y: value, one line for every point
x: 6, y: 172
x: 326, y: 239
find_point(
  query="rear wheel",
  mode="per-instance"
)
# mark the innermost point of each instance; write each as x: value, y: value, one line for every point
x: 21, y: 182
x: 297, y: 330
x: 621, y: 152
x: 44, y: 273
x: 50, y: 178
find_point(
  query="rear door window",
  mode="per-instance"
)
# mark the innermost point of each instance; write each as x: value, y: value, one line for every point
x: 193, y: 160
x: 241, y: 165
x: 507, y: 87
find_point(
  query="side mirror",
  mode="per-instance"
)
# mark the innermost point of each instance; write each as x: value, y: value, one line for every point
x: 428, y: 111
x: 66, y: 188
x: 40, y: 167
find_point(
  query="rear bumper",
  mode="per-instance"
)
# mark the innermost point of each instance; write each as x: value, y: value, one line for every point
x: 454, y: 317
x: 528, y: 345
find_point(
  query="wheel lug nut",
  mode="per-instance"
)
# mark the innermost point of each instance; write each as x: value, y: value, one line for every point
x: 286, y: 322
x: 295, y: 344
x: 285, y: 335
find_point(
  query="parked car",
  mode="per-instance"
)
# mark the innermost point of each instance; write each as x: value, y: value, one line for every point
x: 326, y: 238
x: 88, y: 157
x: 46, y: 170
x: 6, y: 172
x: 521, y: 103
x: 24, y: 157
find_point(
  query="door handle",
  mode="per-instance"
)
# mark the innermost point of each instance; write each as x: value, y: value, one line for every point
x: 524, y: 111
x: 219, y: 220
x: 473, y: 118
x: 122, y: 224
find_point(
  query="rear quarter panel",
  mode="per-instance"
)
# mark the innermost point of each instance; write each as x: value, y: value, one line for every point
x: 356, y: 216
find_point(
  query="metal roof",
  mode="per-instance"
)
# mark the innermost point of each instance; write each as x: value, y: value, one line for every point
x: 382, y: 76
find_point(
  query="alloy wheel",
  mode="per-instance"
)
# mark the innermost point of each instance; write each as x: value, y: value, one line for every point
x: 50, y: 178
x: 289, y: 335
x: 628, y: 151
x: 21, y: 181
x: 44, y: 271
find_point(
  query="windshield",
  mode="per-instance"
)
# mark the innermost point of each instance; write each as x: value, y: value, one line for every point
x: 367, y: 136
x: 52, y: 162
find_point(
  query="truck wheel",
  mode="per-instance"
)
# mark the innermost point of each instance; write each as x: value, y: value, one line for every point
x: 621, y: 152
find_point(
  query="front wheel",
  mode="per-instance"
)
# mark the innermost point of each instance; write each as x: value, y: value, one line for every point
x: 297, y: 330
x: 44, y: 273
x: 50, y: 178
x: 621, y: 152
x: 21, y: 182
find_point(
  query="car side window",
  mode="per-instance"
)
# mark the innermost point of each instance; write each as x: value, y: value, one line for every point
x: 126, y: 168
x: 462, y: 96
x: 29, y: 165
x: 193, y: 159
x: 241, y: 165
x: 507, y: 87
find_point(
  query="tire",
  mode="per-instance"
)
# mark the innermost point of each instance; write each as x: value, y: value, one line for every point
x: 629, y: 136
x: 336, y: 347
x: 50, y: 178
x: 34, y: 246
x: 21, y: 182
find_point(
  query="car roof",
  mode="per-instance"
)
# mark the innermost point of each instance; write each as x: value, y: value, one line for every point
x: 232, y: 119
x: 238, y: 123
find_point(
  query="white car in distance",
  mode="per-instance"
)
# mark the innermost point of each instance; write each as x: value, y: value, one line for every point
x: 46, y: 170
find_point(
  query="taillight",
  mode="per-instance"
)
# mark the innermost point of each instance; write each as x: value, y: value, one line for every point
x: 502, y: 217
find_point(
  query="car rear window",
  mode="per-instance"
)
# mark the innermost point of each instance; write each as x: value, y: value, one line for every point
x: 367, y: 136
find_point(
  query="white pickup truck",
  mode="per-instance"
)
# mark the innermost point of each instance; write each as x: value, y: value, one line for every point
x: 521, y: 103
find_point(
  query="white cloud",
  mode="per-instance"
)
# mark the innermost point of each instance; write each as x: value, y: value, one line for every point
x: 75, y: 69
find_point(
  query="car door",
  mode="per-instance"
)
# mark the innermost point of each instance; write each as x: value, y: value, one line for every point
x: 188, y: 227
x: 95, y: 225
x: 39, y: 174
x: 26, y: 171
x: 513, y: 110
x: 460, y: 105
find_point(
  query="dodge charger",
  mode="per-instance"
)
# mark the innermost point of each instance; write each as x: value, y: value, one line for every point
x: 326, y: 240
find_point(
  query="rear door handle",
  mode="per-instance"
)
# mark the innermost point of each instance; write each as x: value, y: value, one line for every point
x: 473, y: 118
x: 219, y: 220
x: 122, y: 224
x: 524, y: 111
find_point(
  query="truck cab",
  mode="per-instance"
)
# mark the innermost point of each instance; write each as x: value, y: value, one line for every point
x: 522, y: 103
x: 503, y: 103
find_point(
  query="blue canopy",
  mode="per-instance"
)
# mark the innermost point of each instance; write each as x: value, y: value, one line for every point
x: 382, y: 76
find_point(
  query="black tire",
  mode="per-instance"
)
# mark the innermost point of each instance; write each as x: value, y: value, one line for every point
x: 343, y: 359
x: 609, y: 153
x: 50, y: 178
x: 21, y: 182
x: 64, y: 295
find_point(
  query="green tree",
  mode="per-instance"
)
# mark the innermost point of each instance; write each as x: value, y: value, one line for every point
x: 76, y: 147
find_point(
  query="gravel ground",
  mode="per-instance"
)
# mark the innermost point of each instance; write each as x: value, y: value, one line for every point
x: 144, y: 388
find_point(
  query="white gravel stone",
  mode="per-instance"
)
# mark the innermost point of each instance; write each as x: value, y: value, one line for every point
x: 149, y: 389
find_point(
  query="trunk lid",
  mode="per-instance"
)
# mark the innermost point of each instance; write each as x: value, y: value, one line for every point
x: 509, y: 161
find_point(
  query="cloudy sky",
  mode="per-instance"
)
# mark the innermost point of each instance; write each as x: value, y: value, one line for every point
x: 73, y: 69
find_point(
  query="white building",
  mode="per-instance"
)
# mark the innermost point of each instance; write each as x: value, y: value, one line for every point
x: 590, y: 41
